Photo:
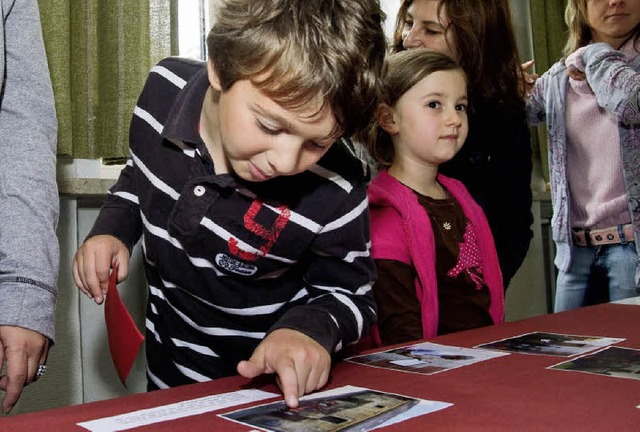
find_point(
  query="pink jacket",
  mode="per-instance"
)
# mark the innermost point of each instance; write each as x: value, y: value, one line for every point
x: 401, y: 231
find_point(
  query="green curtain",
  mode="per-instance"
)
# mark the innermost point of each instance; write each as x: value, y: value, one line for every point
x: 99, y: 53
x: 549, y: 37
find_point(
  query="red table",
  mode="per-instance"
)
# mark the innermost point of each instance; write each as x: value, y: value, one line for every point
x: 509, y: 393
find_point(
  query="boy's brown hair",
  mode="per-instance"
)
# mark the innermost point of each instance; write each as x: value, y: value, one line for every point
x: 297, y: 50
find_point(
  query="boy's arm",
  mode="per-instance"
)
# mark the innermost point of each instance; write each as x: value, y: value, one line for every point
x: 340, y: 310
x: 109, y: 243
x: 339, y: 279
x: 120, y: 214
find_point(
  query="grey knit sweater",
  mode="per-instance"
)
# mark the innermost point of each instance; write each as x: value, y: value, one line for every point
x: 29, y: 204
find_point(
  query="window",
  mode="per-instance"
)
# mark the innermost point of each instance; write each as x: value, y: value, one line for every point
x: 193, y: 27
x: 195, y: 19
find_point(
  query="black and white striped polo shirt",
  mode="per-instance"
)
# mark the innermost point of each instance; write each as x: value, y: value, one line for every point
x: 228, y: 260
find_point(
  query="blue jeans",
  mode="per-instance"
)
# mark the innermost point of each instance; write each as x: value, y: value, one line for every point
x: 592, y: 270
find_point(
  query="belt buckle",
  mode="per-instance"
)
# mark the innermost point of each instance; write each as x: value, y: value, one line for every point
x: 577, y: 236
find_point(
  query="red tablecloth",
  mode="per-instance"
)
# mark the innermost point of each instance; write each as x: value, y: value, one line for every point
x: 510, y: 393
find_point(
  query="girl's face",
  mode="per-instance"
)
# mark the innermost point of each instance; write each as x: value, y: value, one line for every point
x: 424, y: 28
x: 429, y: 122
x: 613, y: 21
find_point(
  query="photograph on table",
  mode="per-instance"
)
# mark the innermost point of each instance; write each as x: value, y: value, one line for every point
x: 425, y: 358
x: 557, y: 344
x: 345, y: 409
x: 612, y: 361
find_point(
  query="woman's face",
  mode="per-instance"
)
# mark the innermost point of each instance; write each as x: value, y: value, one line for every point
x: 613, y: 21
x: 424, y: 28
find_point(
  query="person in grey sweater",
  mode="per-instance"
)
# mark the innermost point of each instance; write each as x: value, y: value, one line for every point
x: 29, y: 204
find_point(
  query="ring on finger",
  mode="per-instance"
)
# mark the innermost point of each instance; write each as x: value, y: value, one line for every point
x: 41, y: 370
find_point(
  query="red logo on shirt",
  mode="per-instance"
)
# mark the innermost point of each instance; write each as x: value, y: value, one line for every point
x: 270, y: 235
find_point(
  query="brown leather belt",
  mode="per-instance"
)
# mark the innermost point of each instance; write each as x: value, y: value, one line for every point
x: 602, y: 236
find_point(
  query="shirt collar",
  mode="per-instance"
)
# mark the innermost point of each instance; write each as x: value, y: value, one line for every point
x: 629, y: 48
x: 184, y: 116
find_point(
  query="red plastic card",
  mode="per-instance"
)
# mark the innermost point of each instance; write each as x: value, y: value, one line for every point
x: 124, y: 337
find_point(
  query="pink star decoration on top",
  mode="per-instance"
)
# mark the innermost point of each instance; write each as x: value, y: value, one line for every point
x: 469, y: 259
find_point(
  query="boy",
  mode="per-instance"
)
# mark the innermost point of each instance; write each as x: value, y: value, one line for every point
x: 253, y: 222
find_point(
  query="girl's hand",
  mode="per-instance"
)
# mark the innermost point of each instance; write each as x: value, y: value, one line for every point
x: 575, y: 73
x: 529, y: 79
x: 575, y: 64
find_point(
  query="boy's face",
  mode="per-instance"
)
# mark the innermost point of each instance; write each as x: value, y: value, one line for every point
x: 261, y: 140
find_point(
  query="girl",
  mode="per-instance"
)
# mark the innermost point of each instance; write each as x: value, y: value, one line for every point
x: 590, y: 103
x: 437, y: 265
x: 495, y: 163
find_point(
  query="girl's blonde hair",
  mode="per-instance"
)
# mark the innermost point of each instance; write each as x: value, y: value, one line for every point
x: 403, y: 70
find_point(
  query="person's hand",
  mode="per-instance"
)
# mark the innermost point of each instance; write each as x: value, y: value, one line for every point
x: 23, y: 351
x: 93, y: 262
x: 575, y: 64
x: 575, y: 73
x: 301, y: 363
x: 529, y: 79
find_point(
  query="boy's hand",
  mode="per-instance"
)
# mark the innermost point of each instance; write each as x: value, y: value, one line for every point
x: 93, y: 262
x: 301, y: 363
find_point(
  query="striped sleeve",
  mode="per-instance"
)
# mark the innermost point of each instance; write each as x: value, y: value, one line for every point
x: 120, y: 214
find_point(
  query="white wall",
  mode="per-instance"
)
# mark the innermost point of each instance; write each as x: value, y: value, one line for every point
x: 390, y: 8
